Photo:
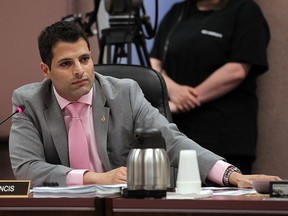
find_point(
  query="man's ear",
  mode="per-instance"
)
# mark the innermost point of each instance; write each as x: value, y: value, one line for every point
x: 45, y: 69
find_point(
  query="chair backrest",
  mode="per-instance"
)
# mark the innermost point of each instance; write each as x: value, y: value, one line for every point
x: 150, y: 81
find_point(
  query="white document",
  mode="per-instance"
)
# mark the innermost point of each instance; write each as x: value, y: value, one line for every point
x: 212, y: 191
x: 201, y: 195
x: 230, y: 191
x: 77, y: 191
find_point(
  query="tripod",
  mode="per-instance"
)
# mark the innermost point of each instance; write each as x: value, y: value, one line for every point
x: 122, y: 38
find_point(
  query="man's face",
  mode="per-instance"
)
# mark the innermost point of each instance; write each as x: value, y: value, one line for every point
x: 72, y: 69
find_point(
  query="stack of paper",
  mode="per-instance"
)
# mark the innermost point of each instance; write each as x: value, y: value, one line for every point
x: 201, y: 195
x: 77, y: 191
x: 230, y: 191
x: 212, y: 191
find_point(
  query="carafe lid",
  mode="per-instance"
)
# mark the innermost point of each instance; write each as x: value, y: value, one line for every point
x: 149, y: 138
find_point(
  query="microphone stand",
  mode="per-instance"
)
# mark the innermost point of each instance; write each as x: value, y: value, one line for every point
x: 19, y: 108
x: 8, y: 117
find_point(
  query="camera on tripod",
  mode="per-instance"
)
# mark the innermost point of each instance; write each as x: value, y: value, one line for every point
x: 82, y: 21
x: 126, y: 19
x: 128, y: 12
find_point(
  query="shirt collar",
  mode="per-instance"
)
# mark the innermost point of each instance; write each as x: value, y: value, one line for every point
x: 84, y: 99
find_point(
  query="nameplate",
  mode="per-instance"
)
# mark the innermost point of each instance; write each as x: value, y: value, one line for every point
x: 14, y: 188
x: 278, y: 189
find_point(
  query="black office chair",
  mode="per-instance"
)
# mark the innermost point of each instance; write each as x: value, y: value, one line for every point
x: 150, y: 81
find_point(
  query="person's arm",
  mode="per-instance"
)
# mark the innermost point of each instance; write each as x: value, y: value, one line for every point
x: 240, y: 180
x: 222, y: 81
x: 219, y: 83
x: 225, y: 174
x: 84, y: 177
x: 115, y: 176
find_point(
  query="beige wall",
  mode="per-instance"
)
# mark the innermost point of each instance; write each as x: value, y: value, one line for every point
x: 22, y: 20
x: 273, y: 95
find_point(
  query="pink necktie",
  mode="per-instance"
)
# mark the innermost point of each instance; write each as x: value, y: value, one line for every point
x: 78, y: 145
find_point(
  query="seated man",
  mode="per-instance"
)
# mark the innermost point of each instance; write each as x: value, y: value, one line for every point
x: 44, y: 146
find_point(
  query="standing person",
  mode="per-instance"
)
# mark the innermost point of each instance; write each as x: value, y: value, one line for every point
x: 111, y: 109
x: 210, y: 53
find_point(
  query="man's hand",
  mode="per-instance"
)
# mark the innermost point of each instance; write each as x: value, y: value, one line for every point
x: 115, y: 176
x: 241, y: 180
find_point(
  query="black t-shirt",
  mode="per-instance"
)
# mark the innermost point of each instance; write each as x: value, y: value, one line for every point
x: 199, y: 44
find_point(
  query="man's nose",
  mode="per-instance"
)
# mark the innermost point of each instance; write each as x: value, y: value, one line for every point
x: 78, y: 69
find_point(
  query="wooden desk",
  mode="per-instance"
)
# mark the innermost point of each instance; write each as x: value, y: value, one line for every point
x: 50, y: 206
x: 218, y: 205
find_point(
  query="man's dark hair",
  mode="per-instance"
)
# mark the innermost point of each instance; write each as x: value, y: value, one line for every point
x: 64, y: 31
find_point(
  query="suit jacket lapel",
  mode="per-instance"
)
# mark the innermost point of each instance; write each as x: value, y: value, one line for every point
x: 101, y: 119
x: 56, y: 125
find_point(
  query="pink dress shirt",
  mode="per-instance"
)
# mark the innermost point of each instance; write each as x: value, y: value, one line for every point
x: 75, y: 177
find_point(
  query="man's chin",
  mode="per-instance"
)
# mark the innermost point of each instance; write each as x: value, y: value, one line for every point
x: 84, y: 91
x: 81, y: 92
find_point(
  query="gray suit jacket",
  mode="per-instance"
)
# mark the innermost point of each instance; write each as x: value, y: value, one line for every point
x: 38, y: 138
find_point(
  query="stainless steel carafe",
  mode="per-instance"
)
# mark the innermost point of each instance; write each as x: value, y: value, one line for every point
x: 148, y: 165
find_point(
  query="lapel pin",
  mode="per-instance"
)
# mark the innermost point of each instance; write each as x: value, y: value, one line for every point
x: 103, y: 118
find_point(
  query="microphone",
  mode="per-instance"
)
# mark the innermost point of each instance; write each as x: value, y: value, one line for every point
x: 18, y: 109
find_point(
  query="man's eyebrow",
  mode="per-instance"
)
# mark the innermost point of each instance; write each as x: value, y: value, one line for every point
x: 71, y: 59
x: 85, y: 54
x: 64, y: 59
